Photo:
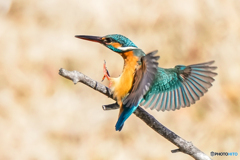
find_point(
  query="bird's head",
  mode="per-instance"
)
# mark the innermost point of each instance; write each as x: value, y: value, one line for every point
x: 115, y: 42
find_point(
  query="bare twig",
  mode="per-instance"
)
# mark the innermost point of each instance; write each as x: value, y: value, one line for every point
x: 183, y: 145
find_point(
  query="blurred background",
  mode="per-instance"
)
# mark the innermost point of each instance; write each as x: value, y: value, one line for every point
x: 44, y: 116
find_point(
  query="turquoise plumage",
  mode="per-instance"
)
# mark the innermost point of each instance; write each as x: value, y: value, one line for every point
x: 179, y: 87
x: 143, y: 83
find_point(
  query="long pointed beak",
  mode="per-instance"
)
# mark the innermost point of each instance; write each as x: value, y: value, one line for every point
x: 90, y: 38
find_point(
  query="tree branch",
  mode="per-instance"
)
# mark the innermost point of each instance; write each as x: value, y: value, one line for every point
x: 183, y: 145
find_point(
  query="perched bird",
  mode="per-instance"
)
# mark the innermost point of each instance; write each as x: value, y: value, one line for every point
x: 143, y: 83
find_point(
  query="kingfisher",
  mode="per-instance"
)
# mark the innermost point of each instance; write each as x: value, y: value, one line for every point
x: 142, y: 82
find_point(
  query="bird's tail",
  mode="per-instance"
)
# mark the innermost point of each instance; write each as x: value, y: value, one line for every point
x: 127, y: 111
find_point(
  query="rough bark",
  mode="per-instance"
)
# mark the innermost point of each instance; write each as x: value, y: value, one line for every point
x: 183, y: 145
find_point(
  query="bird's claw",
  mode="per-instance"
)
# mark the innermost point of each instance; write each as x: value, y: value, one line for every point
x: 106, y: 73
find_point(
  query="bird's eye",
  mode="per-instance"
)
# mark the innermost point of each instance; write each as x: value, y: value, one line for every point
x: 108, y: 40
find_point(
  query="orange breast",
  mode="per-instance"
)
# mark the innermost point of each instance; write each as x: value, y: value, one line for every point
x: 123, y: 84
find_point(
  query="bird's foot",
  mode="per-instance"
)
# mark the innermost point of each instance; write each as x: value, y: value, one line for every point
x: 106, y: 73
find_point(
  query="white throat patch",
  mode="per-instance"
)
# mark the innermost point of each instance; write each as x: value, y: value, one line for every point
x: 126, y: 48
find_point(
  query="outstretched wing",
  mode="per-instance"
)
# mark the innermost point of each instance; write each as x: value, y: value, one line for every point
x: 143, y: 79
x: 179, y: 87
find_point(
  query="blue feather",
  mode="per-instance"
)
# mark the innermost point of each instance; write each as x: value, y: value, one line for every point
x: 197, y: 82
x: 153, y: 100
x: 159, y: 98
x: 179, y: 96
x: 163, y: 101
x: 184, y: 95
x: 127, y: 111
x: 189, y: 83
x: 189, y: 91
x: 175, y: 97
x: 167, y: 99
x: 190, y: 80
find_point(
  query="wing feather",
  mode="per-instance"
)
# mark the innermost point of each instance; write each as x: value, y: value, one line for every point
x: 155, y: 101
x: 143, y: 79
x: 167, y: 107
x: 177, y: 99
x: 158, y: 100
x: 180, y: 86
x: 164, y: 101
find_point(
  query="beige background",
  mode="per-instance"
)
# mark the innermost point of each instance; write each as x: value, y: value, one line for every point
x: 46, y: 117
